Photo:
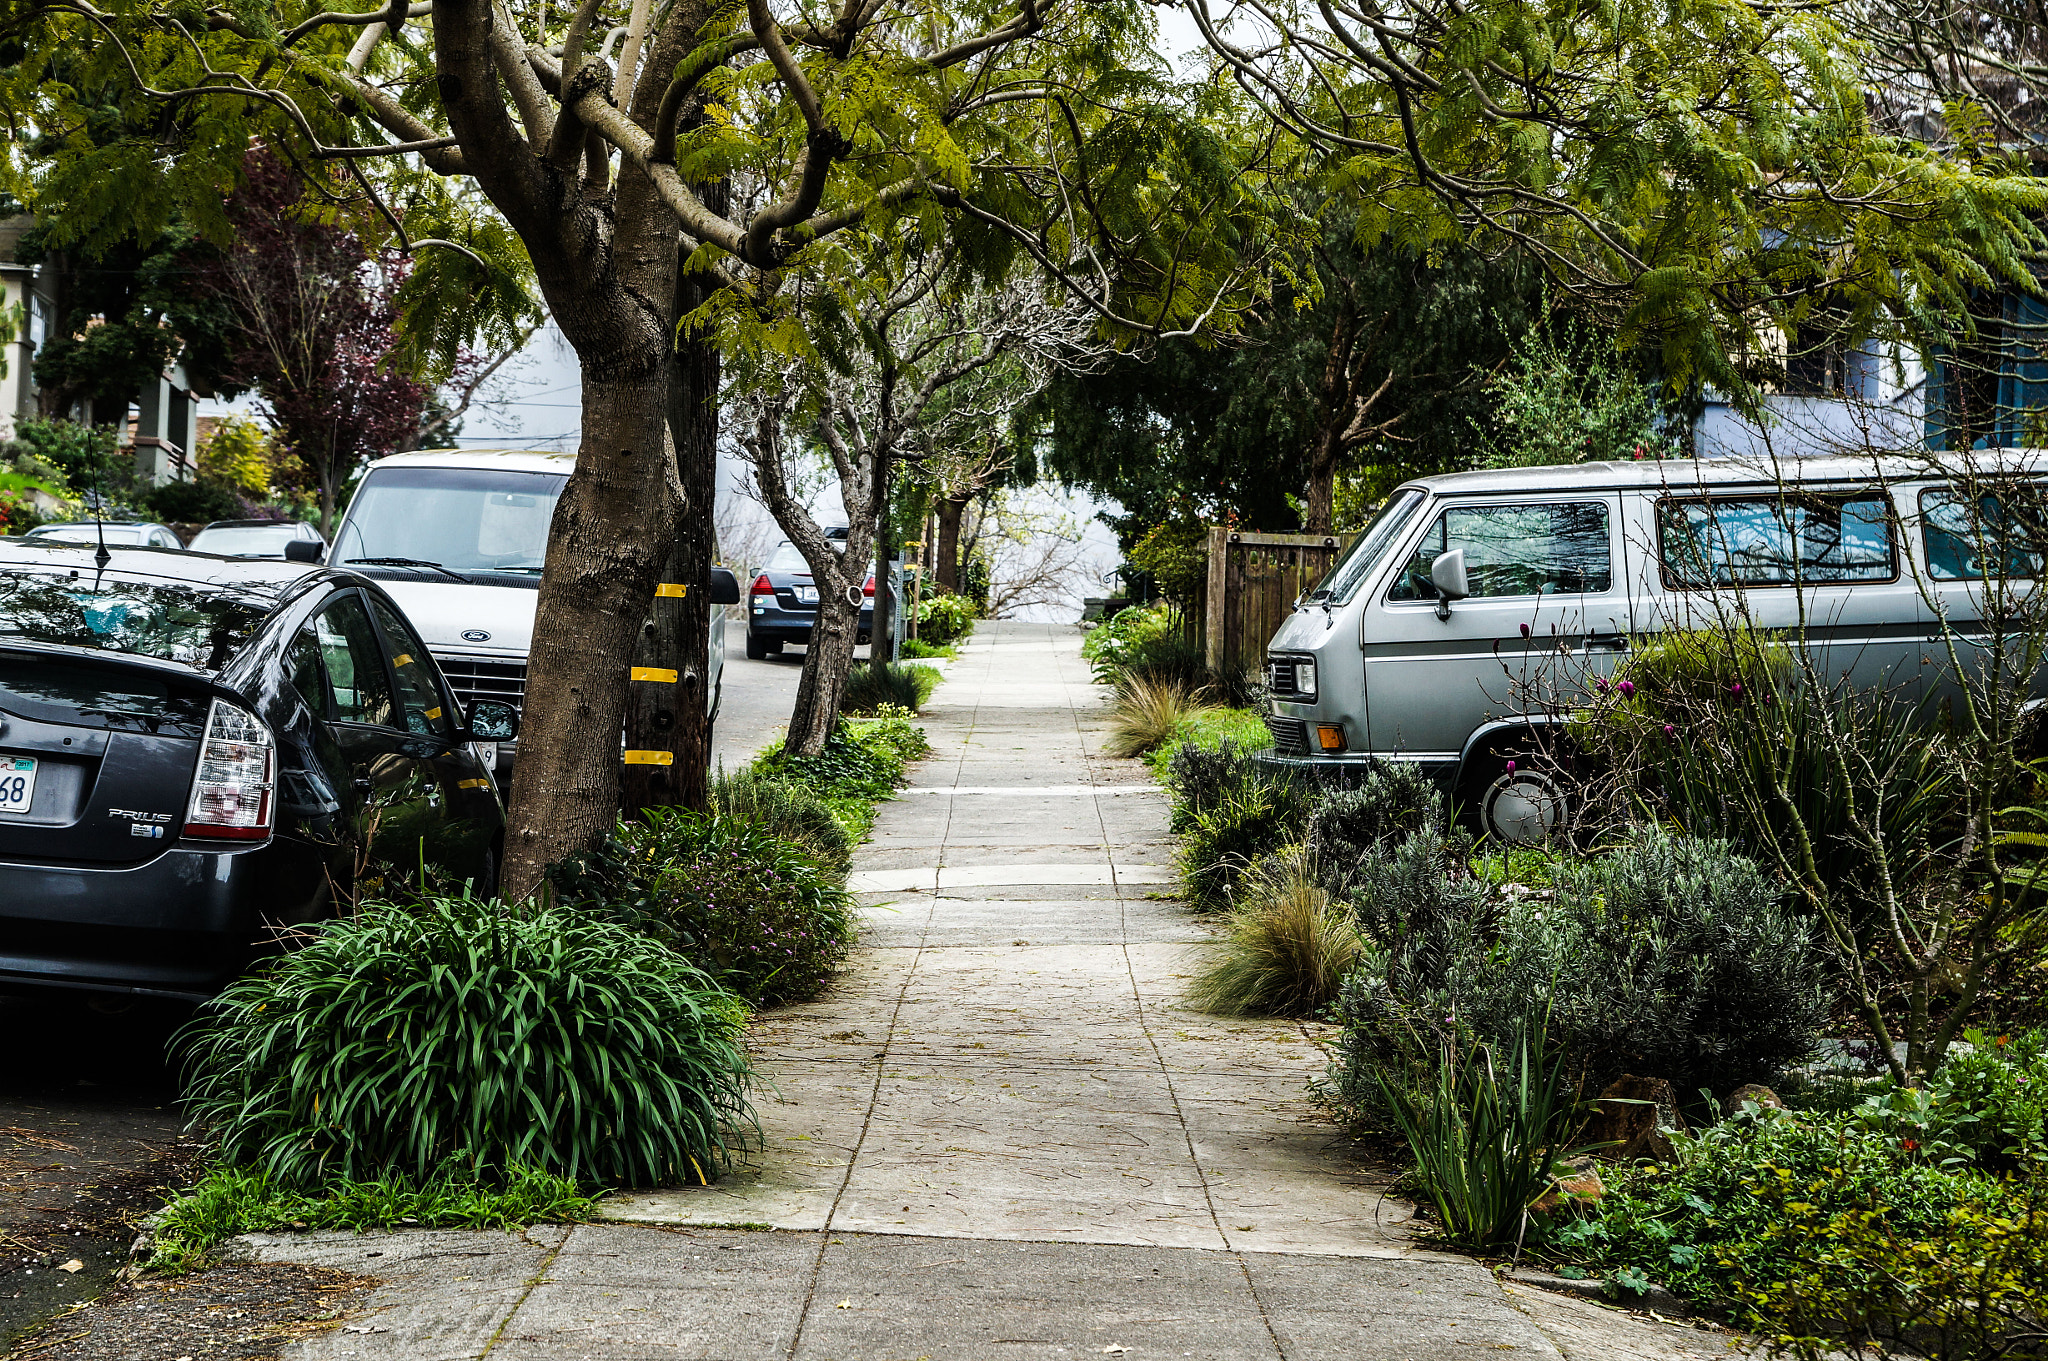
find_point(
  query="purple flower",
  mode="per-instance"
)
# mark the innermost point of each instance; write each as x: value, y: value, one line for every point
x: 1735, y: 689
x: 1670, y: 731
x: 1627, y: 688
x: 1600, y: 682
x: 1525, y: 630
x: 1511, y: 767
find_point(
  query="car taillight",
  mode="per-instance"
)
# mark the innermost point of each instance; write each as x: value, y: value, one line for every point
x: 231, y: 795
x: 763, y: 586
x: 869, y: 589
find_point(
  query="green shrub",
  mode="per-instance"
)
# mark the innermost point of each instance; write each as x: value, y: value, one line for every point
x: 197, y: 501
x: 1200, y: 778
x: 860, y: 760
x: 1749, y: 1201
x: 918, y: 648
x: 1417, y: 900
x: 1669, y: 957
x: 1393, y: 799
x: 1170, y: 658
x: 869, y: 687
x: 1286, y: 949
x: 748, y: 907
x: 1147, y: 715
x: 1209, y: 728
x: 1222, y: 844
x: 229, y: 1201
x: 1863, y: 1284
x: 1110, y: 645
x: 945, y: 618
x: 1484, y: 1129
x: 465, y: 1035
x: 1993, y: 1099
x: 790, y: 811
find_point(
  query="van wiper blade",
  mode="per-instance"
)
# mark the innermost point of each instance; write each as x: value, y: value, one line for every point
x: 408, y: 562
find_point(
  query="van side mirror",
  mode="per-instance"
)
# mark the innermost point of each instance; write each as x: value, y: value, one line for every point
x: 725, y: 587
x: 1447, y: 574
x: 493, y: 720
x: 304, y: 550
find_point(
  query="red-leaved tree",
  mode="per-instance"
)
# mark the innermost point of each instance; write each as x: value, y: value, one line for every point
x: 315, y: 312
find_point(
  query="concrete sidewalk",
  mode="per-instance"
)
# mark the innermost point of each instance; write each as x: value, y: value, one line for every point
x: 1001, y: 1132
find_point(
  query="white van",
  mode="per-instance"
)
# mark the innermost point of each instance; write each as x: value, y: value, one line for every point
x: 459, y: 537
x: 1472, y: 598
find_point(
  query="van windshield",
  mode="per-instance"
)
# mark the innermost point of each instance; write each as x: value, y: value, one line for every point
x: 1367, y: 550
x: 462, y: 519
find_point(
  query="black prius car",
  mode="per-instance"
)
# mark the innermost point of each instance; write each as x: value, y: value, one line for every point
x: 199, y: 755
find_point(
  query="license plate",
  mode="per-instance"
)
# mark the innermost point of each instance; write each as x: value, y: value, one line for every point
x: 17, y: 783
x: 807, y: 595
x: 487, y: 752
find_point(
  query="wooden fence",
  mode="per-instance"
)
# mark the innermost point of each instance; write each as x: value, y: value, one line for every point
x: 1254, y: 580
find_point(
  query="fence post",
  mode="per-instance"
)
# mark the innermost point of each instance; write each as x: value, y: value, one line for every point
x: 1213, y: 614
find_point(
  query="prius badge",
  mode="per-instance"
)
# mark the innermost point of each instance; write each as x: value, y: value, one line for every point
x: 476, y: 635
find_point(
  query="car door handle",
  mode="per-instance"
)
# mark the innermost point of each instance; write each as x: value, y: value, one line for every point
x: 1607, y: 642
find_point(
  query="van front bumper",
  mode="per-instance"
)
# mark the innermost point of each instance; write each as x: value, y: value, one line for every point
x: 1345, y: 771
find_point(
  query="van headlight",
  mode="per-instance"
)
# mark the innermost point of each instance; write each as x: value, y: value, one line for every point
x: 1305, y: 679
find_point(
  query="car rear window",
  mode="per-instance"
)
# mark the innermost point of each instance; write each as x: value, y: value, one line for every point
x: 59, y: 690
x: 789, y: 558
x: 173, y: 621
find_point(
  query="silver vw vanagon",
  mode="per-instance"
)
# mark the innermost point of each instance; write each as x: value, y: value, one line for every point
x: 1475, y: 605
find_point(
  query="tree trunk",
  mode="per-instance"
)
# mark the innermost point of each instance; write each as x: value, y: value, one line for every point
x: 951, y: 509
x: 1333, y: 413
x: 826, y: 663
x: 882, y: 636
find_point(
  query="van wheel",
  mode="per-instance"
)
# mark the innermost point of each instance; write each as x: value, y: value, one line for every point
x: 1521, y: 802
x: 757, y: 651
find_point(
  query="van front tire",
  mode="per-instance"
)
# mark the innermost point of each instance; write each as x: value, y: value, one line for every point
x: 1519, y: 801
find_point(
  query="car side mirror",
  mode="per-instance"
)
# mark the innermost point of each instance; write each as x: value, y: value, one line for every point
x: 493, y: 720
x: 1447, y: 574
x: 304, y: 550
x: 725, y: 587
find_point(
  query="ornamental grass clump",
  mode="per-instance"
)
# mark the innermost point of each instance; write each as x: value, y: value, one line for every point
x: 1287, y: 947
x: 872, y: 686
x: 461, y: 1034
x: 791, y: 811
x: 752, y: 909
x: 1149, y: 714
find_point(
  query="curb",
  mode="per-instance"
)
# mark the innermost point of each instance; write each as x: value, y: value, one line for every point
x: 1656, y: 1298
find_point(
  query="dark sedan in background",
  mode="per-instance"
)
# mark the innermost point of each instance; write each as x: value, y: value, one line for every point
x: 198, y: 754
x: 783, y: 604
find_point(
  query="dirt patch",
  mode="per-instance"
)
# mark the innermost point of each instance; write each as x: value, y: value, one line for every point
x: 243, y: 1312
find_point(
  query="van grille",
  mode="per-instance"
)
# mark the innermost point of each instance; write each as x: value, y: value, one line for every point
x: 1290, y: 735
x: 475, y: 678
x: 1280, y: 676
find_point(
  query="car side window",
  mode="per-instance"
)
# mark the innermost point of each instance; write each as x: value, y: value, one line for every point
x: 1548, y: 548
x: 419, y: 698
x: 306, y: 674
x: 355, y: 663
x: 1785, y: 540
x: 1966, y: 541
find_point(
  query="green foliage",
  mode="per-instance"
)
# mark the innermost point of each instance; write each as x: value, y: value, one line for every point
x: 862, y: 763
x: 1175, y: 555
x: 229, y: 1201
x: 1208, y: 729
x: 1986, y: 1106
x: 239, y: 454
x: 1200, y: 778
x: 1670, y: 677
x: 1148, y: 714
x: 753, y: 910
x: 1286, y: 948
x: 917, y: 649
x: 1484, y: 1127
x: 1222, y: 844
x: 1114, y: 645
x: 793, y: 812
x: 197, y: 501
x: 464, y: 1035
x: 894, y: 684
x: 944, y: 618
x: 1749, y: 1200
x: 1568, y: 398
x: 1861, y: 1283
x: 1667, y: 957
x: 1393, y: 799
x: 85, y: 455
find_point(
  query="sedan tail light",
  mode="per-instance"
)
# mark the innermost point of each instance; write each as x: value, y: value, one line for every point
x: 231, y: 795
x: 762, y: 585
x: 869, y: 589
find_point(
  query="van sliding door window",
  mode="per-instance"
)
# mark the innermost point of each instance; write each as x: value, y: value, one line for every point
x: 1777, y: 541
x: 2009, y: 525
x: 1554, y: 548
